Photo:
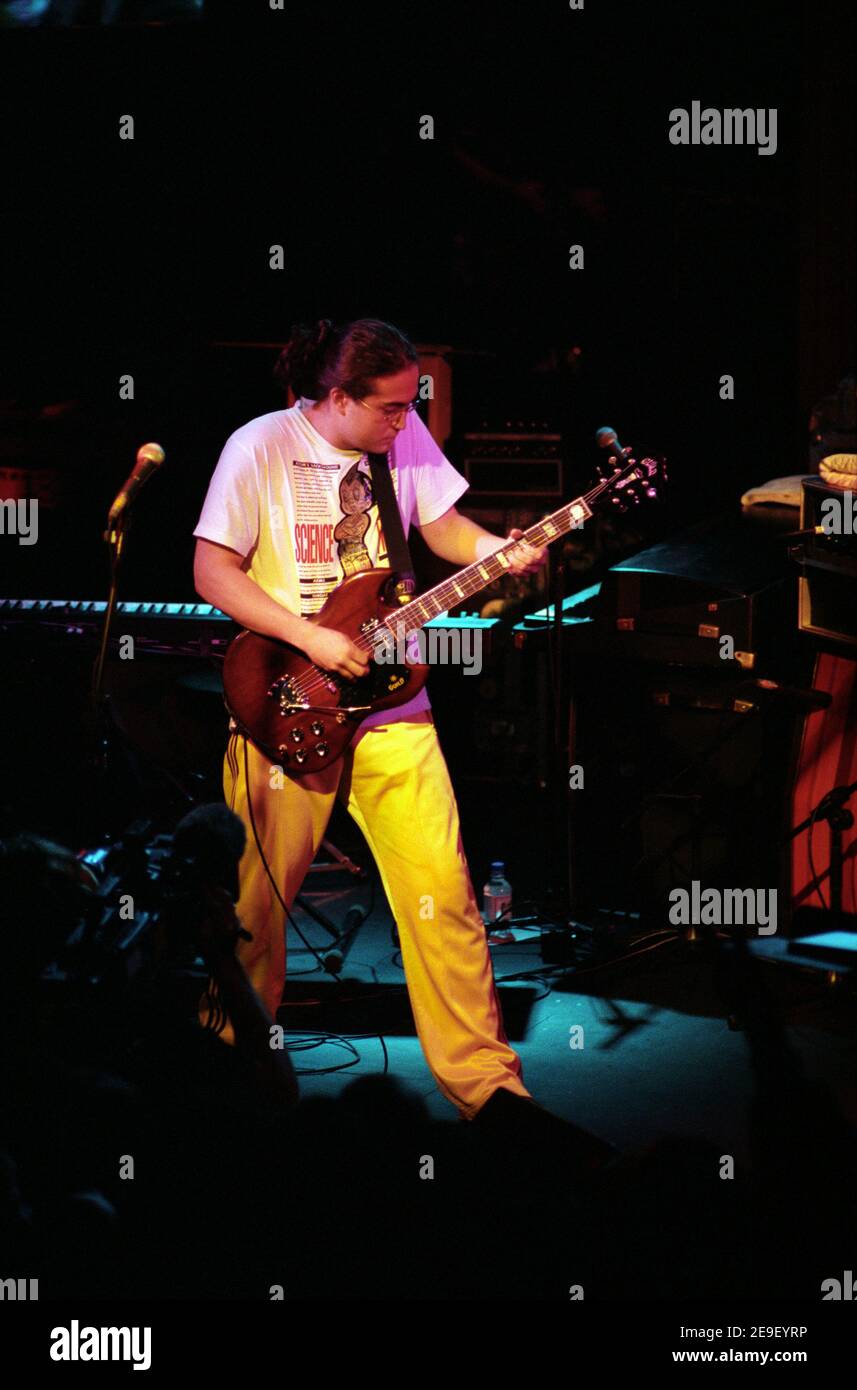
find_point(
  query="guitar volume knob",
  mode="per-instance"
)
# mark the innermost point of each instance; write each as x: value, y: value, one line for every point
x: 322, y: 750
x: 317, y: 727
x: 297, y: 735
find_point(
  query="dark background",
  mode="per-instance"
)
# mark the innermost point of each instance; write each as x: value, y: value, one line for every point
x: 551, y: 128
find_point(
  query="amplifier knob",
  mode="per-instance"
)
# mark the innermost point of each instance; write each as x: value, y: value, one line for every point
x: 322, y: 750
x: 317, y: 727
x: 297, y: 735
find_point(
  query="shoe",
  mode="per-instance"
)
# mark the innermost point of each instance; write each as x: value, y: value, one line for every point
x: 504, y: 1107
x: 509, y: 1112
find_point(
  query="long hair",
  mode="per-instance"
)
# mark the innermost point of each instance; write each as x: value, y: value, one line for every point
x: 316, y: 359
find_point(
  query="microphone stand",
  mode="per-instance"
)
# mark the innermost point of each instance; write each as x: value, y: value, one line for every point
x: 551, y: 907
x: 100, y: 713
x: 832, y: 808
x: 561, y: 886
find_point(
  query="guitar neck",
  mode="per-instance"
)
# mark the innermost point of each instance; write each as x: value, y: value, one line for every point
x: 481, y: 573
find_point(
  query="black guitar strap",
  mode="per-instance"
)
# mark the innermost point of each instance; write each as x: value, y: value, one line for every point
x: 391, y: 520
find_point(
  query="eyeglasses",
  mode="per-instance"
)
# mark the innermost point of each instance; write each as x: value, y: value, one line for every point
x: 389, y: 412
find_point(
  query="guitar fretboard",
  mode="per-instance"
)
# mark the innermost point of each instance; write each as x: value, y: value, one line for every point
x: 483, y: 572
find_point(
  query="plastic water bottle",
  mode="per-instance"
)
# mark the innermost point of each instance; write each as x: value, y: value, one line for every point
x: 496, y: 895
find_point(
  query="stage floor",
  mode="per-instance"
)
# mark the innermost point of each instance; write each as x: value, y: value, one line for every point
x: 659, y: 1056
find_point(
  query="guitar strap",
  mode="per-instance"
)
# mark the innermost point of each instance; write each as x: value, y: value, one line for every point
x: 398, y: 553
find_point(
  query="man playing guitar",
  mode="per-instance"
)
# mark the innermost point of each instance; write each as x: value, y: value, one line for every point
x: 290, y: 514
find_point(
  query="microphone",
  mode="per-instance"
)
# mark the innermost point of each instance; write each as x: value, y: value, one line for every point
x: 335, y: 958
x: 606, y: 438
x: 149, y: 457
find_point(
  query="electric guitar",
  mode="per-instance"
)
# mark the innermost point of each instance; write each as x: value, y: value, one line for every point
x: 303, y: 717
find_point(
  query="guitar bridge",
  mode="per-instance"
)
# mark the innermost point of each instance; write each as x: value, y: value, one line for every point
x: 285, y: 691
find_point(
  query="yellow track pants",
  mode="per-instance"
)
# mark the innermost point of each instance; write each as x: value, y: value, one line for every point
x: 394, y: 782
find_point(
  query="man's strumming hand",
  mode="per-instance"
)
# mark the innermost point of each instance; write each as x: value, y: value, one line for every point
x: 333, y: 651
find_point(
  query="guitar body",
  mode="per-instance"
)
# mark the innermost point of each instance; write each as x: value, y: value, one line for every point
x: 303, y: 717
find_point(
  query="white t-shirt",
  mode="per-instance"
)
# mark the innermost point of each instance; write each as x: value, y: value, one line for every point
x: 302, y: 514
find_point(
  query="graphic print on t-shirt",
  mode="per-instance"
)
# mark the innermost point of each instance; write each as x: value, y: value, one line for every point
x: 355, y: 499
x: 339, y: 531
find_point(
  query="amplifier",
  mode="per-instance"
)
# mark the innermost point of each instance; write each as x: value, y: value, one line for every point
x: 523, y: 459
x: 827, y: 588
x: 678, y: 772
x: 834, y: 508
x: 675, y: 602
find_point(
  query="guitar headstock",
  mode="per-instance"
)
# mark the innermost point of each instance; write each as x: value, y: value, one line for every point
x: 626, y: 482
